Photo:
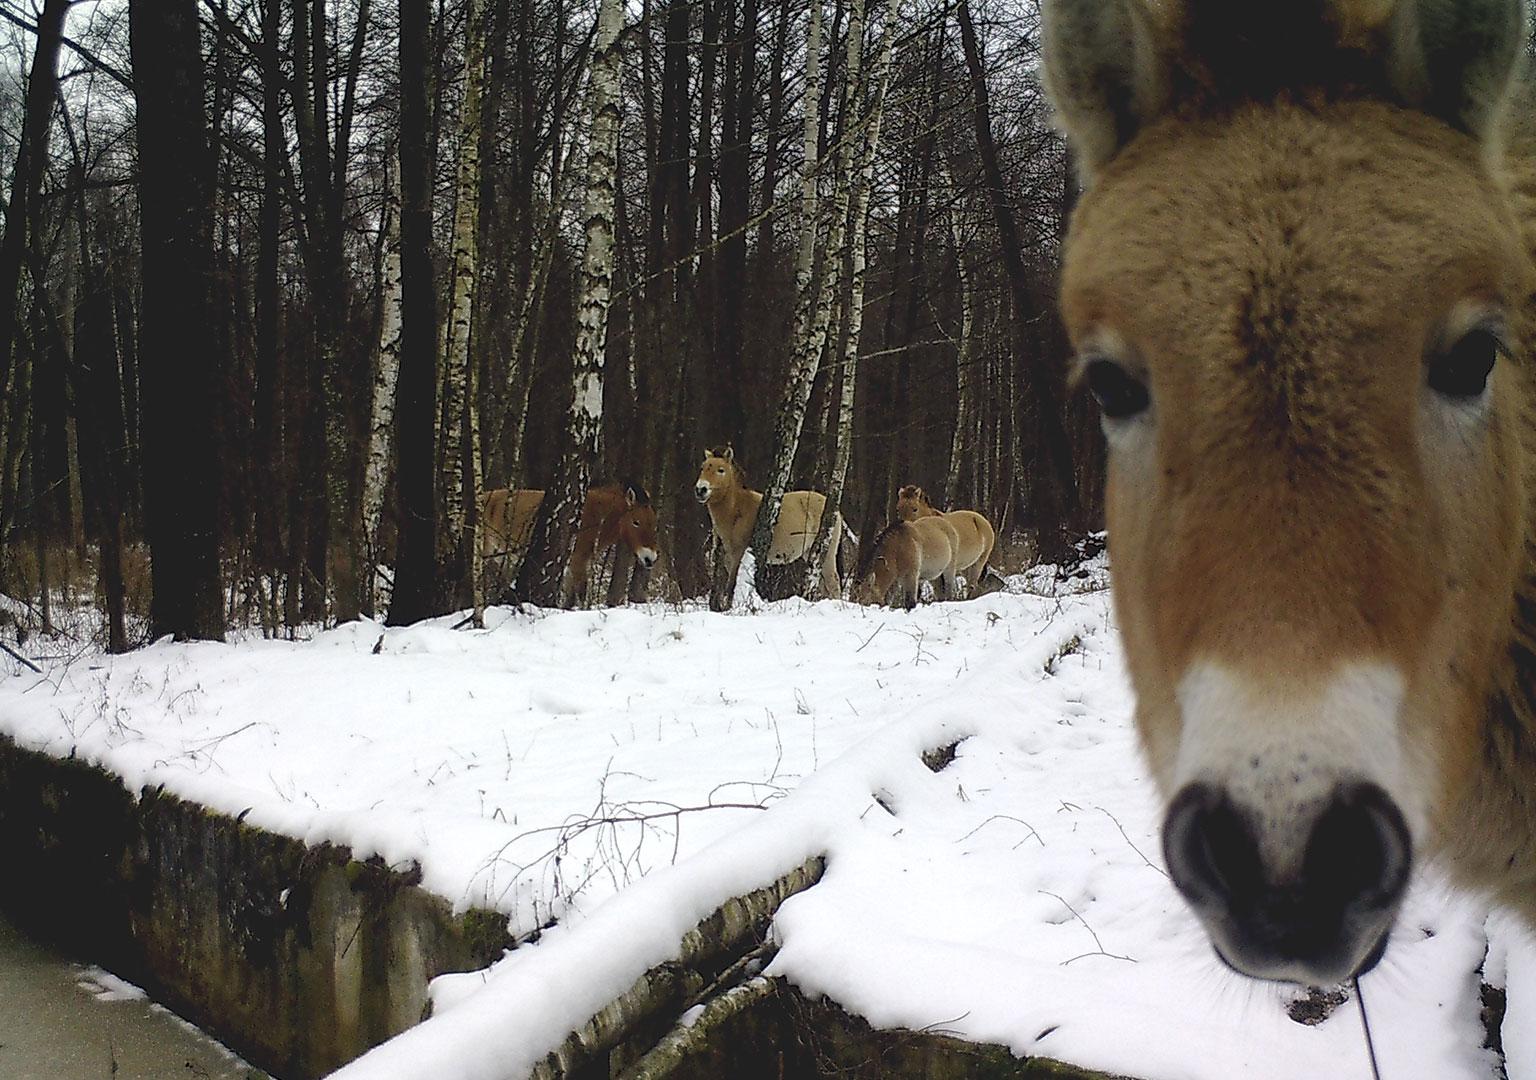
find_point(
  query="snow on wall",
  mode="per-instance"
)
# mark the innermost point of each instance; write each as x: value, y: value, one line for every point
x: 555, y: 767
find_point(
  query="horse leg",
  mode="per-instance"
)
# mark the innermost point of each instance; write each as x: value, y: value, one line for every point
x: 831, y: 584
x: 623, y: 563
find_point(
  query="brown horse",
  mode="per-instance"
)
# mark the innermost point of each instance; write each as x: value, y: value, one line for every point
x: 904, y: 554
x: 976, y: 536
x: 614, y: 515
x: 1300, y: 284
x: 722, y: 488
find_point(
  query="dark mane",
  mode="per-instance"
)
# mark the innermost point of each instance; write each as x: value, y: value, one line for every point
x: 642, y: 497
x: 868, y: 552
x: 721, y: 452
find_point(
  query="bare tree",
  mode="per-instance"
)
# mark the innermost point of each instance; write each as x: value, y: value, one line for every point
x: 176, y: 210
x: 543, y: 570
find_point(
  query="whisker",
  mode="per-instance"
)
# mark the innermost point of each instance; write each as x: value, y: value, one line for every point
x: 1365, y: 1024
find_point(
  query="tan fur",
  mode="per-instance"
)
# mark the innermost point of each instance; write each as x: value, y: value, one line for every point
x: 977, y: 538
x: 1278, y: 267
x: 733, y: 513
x: 608, y: 515
x: 905, y: 554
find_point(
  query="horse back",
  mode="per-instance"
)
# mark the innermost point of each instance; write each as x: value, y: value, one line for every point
x: 795, y: 532
x: 508, y: 517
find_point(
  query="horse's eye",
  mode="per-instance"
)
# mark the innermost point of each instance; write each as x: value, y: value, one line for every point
x: 1119, y: 394
x: 720, y: 469
x: 1461, y: 372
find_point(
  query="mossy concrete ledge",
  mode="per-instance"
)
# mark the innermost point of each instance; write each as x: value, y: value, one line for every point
x: 300, y: 958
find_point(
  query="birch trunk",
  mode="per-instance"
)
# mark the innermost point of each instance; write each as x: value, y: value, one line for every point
x: 540, y: 577
x: 960, y: 485
x: 802, y: 373
x: 858, y: 220
x: 381, y: 427
x: 461, y: 431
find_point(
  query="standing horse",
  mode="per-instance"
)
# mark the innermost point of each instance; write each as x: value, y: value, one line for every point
x: 1300, y: 285
x: 976, y: 536
x: 722, y: 488
x: 904, y: 554
x: 612, y: 516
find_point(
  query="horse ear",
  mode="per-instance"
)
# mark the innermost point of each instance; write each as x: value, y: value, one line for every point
x: 1104, y: 72
x: 728, y: 454
x: 630, y: 498
x: 1456, y: 59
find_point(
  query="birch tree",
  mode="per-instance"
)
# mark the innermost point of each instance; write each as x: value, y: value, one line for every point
x: 386, y: 374
x: 858, y: 221
x: 960, y: 484
x: 461, y: 433
x: 803, y: 367
x: 541, y: 573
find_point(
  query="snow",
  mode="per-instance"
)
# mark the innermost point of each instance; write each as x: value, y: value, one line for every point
x: 105, y: 986
x: 606, y: 779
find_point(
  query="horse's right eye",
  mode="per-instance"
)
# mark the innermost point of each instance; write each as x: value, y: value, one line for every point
x: 1461, y: 372
x: 1120, y: 394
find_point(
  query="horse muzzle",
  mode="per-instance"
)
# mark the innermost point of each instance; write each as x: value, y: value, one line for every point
x: 701, y: 492
x: 647, y: 557
x: 1309, y: 902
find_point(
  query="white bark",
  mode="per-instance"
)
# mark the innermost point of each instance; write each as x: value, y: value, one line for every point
x: 962, y: 447
x: 858, y: 219
x: 594, y: 295
x: 595, y: 281
x: 381, y: 426
x: 802, y: 375
x: 461, y: 463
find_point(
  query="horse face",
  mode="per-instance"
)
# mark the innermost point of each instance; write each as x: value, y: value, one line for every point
x: 1297, y: 323
x: 715, y: 475
x: 911, y: 503
x: 637, y: 530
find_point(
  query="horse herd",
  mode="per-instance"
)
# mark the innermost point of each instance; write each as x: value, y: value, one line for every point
x: 922, y: 543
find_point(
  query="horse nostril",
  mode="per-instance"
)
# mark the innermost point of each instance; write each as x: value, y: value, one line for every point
x: 1212, y: 854
x: 1359, y: 853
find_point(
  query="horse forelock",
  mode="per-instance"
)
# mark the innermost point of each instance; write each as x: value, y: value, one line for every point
x: 1223, y: 53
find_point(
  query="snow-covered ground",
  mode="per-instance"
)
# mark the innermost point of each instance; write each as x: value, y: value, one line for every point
x: 611, y: 777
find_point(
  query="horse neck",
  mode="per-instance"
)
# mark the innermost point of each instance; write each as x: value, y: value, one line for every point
x: 727, y: 509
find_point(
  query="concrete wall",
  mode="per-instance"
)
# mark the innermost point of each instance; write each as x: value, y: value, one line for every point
x: 298, y: 958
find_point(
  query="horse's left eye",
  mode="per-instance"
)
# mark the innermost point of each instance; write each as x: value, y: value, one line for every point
x: 1461, y: 372
x: 1120, y: 394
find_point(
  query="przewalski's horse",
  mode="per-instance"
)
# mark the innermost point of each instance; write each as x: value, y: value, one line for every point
x: 722, y: 488
x: 904, y: 554
x: 976, y: 535
x: 1300, y: 285
x: 613, y: 515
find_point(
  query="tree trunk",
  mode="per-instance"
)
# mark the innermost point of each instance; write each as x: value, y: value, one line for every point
x: 386, y: 376
x: 415, y: 592
x: 858, y: 222
x: 802, y: 371
x: 1055, y: 484
x: 461, y: 431
x: 31, y: 161
x: 960, y: 484
x: 176, y: 207
x: 540, y: 578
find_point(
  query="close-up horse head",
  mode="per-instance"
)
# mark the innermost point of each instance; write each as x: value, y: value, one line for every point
x: 1299, y: 284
